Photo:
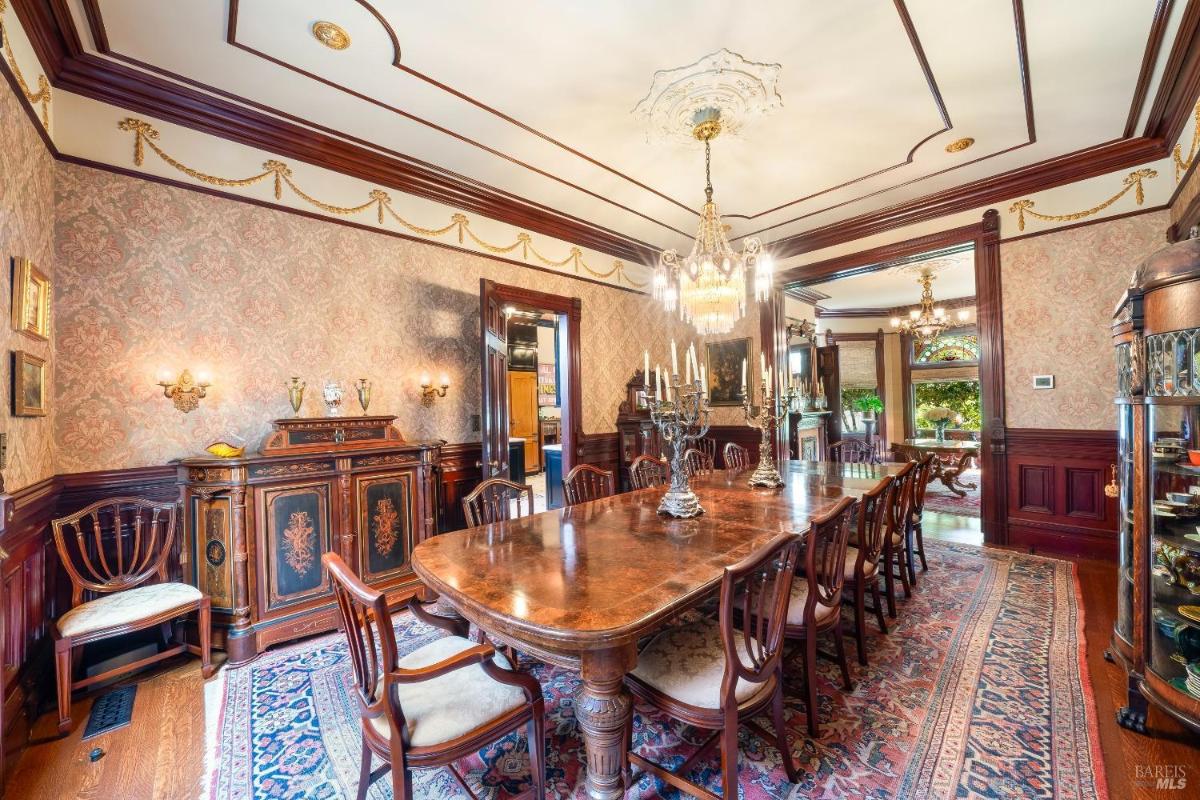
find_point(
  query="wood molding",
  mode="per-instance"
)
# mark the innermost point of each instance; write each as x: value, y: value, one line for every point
x: 1085, y: 223
x: 892, y: 311
x: 1162, y: 13
x: 1180, y: 83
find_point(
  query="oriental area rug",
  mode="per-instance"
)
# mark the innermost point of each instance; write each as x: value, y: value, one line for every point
x: 979, y: 690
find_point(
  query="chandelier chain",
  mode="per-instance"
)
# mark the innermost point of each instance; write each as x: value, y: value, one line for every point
x: 708, y: 189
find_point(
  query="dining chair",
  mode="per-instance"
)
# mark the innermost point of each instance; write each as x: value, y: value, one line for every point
x: 716, y: 676
x: 915, y: 540
x: 587, y: 482
x: 115, y: 553
x: 647, y: 471
x: 862, y: 560
x: 853, y: 451
x: 697, y: 462
x: 441, y: 702
x: 708, y: 446
x: 816, y: 601
x: 496, y: 499
x: 736, y: 456
x: 895, y: 554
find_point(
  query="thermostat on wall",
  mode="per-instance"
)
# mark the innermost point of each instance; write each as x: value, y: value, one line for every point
x: 1043, y: 381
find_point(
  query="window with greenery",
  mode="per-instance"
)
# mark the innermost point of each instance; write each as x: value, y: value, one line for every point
x: 962, y: 397
x: 855, y: 403
x: 958, y: 349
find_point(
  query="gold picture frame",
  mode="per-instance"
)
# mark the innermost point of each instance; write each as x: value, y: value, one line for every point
x: 30, y: 300
x: 725, y: 370
x: 28, y: 385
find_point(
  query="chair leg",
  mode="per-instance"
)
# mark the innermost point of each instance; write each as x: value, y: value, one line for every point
x: 205, y: 622
x: 889, y: 583
x: 903, y: 569
x: 62, y: 663
x: 537, y: 752
x: 729, y: 757
x: 401, y: 782
x: 781, y: 740
x: 810, y: 681
x: 839, y: 643
x: 878, y: 605
x: 364, y: 772
x: 909, y: 555
x: 860, y: 619
x: 921, y: 545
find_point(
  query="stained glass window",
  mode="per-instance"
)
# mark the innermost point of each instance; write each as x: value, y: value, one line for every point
x: 960, y: 348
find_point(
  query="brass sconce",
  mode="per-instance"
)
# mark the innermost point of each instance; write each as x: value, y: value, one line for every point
x: 185, y: 392
x: 428, y: 392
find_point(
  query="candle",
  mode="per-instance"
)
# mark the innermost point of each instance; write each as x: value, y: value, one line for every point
x: 674, y: 359
x: 646, y: 368
x: 687, y: 367
x: 695, y: 363
x: 703, y: 379
x: 657, y: 382
x: 762, y: 365
x: 743, y: 376
x: 770, y: 384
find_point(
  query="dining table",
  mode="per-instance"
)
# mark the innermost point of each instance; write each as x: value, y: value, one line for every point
x: 953, y: 456
x: 578, y: 587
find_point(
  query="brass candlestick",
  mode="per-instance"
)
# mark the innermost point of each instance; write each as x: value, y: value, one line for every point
x: 764, y: 417
x: 296, y: 394
x: 681, y: 420
x: 363, y: 387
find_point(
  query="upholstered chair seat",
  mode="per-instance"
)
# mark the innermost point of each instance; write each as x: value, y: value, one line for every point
x: 688, y: 663
x: 444, y: 708
x: 870, y: 570
x: 795, y: 615
x: 127, y: 607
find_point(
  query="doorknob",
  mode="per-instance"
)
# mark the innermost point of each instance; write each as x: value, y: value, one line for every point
x: 492, y: 465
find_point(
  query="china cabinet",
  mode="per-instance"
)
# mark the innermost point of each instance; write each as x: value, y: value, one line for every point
x: 636, y: 435
x: 1156, y: 637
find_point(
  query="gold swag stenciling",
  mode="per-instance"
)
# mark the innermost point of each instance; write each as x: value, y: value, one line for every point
x: 1182, y: 165
x: 1132, y: 181
x: 145, y: 136
x: 42, y: 95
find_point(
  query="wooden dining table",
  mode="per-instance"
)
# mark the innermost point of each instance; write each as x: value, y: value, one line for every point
x: 579, y: 586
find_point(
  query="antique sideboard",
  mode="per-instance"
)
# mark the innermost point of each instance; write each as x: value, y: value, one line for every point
x: 255, y: 527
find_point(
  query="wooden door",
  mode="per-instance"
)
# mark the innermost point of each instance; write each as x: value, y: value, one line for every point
x: 493, y: 360
x: 829, y: 371
x: 523, y: 410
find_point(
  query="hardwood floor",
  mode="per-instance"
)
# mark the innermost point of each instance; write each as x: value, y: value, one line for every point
x: 161, y: 754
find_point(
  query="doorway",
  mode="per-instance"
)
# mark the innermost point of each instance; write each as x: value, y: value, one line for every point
x: 530, y: 386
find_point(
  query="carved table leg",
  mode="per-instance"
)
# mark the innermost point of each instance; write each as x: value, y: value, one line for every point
x: 603, y: 708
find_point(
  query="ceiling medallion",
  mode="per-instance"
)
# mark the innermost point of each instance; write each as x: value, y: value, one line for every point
x: 332, y: 36
x: 709, y: 286
x: 958, y: 145
x: 739, y: 89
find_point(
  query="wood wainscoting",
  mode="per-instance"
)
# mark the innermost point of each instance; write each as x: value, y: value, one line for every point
x: 459, y: 472
x: 1056, y: 500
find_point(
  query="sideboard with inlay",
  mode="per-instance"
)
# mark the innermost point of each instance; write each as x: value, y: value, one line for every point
x: 255, y: 529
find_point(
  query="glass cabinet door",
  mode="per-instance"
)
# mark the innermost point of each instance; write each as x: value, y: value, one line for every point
x: 1125, y: 481
x: 1172, y: 431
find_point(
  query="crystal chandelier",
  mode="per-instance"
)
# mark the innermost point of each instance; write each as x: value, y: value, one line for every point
x: 709, y: 286
x: 930, y: 322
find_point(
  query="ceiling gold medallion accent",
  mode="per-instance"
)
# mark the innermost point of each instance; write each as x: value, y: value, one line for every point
x: 331, y: 35
x: 42, y: 95
x: 958, y: 145
x: 145, y: 135
x: 1132, y: 181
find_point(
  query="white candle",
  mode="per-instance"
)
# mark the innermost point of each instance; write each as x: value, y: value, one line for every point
x: 657, y: 382
x: 695, y: 363
x: 703, y: 379
x: 770, y: 375
x: 674, y: 359
x: 687, y: 367
x: 646, y: 368
x: 743, y: 376
x: 762, y: 365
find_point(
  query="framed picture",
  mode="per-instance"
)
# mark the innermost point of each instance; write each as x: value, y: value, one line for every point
x: 725, y: 371
x: 30, y: 300
x: 29, y: 385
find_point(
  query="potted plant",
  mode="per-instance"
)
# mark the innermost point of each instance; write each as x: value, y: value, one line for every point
x: 869, y: 405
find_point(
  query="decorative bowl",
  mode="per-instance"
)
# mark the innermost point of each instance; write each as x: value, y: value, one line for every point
x: 225, y: 450
x: 1194, y: 458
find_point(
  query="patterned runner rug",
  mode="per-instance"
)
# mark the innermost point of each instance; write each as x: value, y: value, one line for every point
x: 980, y: 690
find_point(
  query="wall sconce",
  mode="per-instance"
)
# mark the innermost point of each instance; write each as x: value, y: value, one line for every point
x: 185, y: 392
x: 428, y: 392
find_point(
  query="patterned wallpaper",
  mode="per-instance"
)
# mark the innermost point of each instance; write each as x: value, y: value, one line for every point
x: 27, y: 172
x: 152, y: 277
x: 1059, y: 293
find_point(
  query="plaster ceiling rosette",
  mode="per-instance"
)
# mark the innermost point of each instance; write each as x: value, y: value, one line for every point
x: 741, y: 90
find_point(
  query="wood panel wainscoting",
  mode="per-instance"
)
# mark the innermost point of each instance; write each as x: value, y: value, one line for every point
x: 1056, y: 500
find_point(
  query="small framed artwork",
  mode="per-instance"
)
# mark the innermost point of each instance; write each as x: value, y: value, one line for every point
x: 30, y: 300
x: 725, y: 371
x: 29, y: 385
x: 1043, y: 381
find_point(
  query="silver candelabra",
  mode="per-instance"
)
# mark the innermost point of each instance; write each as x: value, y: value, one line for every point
x: 681, y: 418
x: 764, y: 417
